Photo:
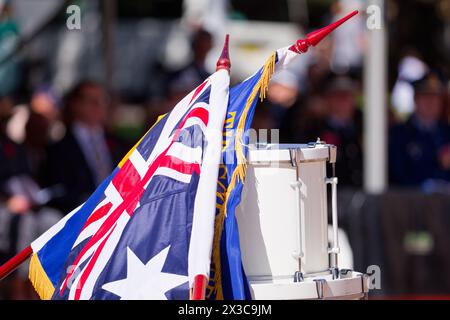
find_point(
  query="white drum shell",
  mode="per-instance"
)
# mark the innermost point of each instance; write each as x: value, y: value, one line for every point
x: 272, y: 212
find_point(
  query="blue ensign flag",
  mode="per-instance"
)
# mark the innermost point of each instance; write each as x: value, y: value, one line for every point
x: 147, y: 231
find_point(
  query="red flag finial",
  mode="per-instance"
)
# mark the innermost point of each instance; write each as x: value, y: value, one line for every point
x: 224, y: 60
x: 315, y: 37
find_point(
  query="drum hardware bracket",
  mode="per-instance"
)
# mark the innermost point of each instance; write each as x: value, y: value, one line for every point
x: 263, y: 145
x: 293, y: 156
x: 364, y: 284
x: 296, y: 184
x: 345, y: 273
x: 298, y: 276
x: 319, y: 287
x: 334, y: 273
x: 318, y: 141
x: 332, y: 152
x: 334, y: 250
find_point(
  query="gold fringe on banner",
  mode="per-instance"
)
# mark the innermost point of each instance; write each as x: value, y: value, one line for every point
x: 260, y: 88
x: 39, y: 279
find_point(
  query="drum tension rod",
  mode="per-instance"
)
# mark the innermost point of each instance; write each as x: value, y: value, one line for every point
x: 298, y: 276
x: 334, y: 250
x: 298, y: 254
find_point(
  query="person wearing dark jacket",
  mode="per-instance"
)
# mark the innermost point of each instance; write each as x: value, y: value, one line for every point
x: 419, y: 150
x: 341, y: 126
x: 23, y: 212
x: 87, y: 154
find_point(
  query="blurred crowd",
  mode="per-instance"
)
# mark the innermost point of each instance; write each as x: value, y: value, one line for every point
x: 330, y: 106
x: 53, y: 154
x: 57, y: 148
x: 331, y: 109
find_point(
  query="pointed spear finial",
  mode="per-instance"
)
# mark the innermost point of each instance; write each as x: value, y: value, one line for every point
x: 313, y: 38
x: 224, y: 60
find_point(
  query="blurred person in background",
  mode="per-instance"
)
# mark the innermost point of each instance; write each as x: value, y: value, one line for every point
x: 282, y: 94
x: 182, y: 81
x: 37, y: 139
x: 310, y: 110
x: 35, y: 125
x: 419, y: 150
x: 87, y: 153
x: 286, y: 87
x: 44, y: 104
x: 410, y: 68
x: 23, y: 212
x: 42, y: 128
x: 343, y: 128
x: 335, y: 118
x: 311, y: 107
x: 12, y: 205
x: 264, y: 125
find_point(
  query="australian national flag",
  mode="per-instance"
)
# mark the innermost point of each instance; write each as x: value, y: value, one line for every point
x: 147, y: 231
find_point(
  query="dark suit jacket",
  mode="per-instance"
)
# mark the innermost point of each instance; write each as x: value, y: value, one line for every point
x: 414, y: 153
x: 68, y: 168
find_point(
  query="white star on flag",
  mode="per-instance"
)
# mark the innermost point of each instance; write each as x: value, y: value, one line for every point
x: 145, y: 281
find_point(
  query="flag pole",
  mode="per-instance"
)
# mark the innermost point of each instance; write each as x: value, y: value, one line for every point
x: 224, y: 59
x: 198, y: 290
x: 313, y: 38
x: 13, y: 263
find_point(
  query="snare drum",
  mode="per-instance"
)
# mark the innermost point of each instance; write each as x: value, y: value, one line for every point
x: 283, y: 220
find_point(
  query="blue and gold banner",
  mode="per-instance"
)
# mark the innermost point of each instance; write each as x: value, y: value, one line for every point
x: 228, y: 280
